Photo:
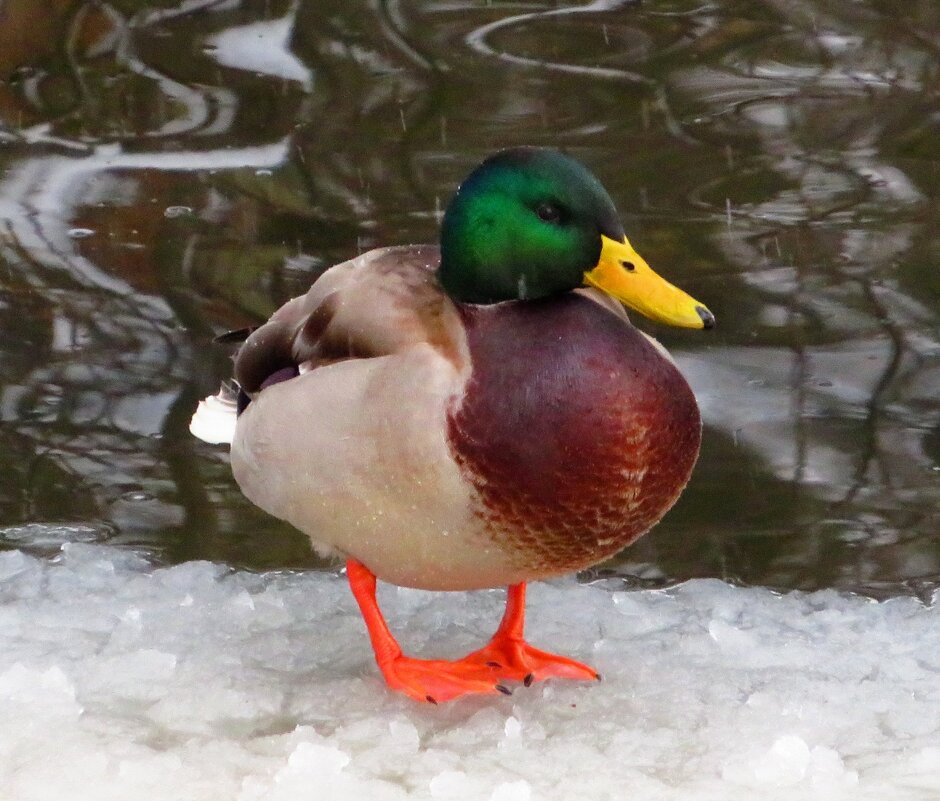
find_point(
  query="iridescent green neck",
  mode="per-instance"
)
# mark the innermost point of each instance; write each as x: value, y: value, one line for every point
x: 527, y: 223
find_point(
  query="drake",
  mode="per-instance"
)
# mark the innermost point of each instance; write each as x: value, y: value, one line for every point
x: 478, y: 414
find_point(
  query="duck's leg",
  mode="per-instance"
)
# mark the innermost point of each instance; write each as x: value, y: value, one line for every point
x: 430, y: 680
x: 511, y: 657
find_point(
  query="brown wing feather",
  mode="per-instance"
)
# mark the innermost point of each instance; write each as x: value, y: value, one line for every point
x: 374, y: 305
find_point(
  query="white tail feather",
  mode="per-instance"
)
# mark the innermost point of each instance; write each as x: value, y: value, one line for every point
x: 214, y: 420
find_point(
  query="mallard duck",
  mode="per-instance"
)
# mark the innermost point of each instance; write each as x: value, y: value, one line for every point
x: 478, y: 414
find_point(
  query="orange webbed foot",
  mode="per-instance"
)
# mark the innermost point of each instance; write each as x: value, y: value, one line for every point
x: 517, y: 660
x: 437, y: 680
x: 511, y: 657
x: 428, y: 680
x: 506, y: 656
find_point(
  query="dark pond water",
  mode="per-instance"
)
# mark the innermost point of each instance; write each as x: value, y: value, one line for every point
x: 173, y: 170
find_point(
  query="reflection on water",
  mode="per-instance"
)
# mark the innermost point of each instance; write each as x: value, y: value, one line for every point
x: 170, y: 171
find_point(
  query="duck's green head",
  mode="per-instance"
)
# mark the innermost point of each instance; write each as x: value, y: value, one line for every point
x: 531, y: 222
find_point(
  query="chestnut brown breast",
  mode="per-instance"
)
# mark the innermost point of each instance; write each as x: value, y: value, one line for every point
x: 576, y: 432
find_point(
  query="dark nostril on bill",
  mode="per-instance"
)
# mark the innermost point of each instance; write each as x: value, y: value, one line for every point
x: 629, y: 266
x: 708, y: 319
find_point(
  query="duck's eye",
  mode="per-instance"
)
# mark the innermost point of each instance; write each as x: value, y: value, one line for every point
x: 548, y: 212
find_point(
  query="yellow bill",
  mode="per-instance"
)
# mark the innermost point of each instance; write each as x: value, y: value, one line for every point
x: 623, y: 274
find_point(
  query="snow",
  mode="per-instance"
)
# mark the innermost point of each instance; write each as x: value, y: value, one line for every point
x: 120, y: 679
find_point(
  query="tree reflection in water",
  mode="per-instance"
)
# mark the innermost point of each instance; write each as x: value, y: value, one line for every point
x: 170, y: 171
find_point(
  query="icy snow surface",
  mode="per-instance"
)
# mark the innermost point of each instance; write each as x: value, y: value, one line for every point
x: 122, y: 681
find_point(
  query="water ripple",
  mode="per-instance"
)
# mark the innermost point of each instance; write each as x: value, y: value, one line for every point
x: 477, y: 40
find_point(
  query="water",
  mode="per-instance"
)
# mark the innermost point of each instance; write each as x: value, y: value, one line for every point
x: 169, y: 172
